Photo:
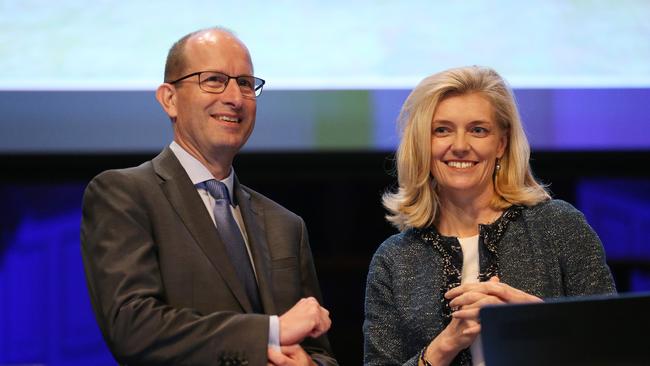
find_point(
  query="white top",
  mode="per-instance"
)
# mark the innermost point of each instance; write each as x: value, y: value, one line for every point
x: 469, y: 274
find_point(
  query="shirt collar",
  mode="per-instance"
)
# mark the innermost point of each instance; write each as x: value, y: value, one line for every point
x: 198, y: 172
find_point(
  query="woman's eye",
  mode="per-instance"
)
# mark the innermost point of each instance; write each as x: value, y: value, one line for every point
x: 440, y: 131
x: 479, y: 131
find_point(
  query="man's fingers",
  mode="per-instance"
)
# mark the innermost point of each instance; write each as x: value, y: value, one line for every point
x: 305, y: 319
x: 276, y: 358
x: 326, y: 321
x: 323, y: 325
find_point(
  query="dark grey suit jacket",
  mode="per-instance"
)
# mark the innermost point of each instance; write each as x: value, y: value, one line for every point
x: 161, y: 286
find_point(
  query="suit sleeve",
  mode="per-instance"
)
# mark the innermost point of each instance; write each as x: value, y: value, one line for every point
x: 127, y: 293
x: 319, y: 348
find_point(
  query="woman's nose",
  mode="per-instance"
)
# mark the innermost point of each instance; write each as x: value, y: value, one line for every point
x: 460, y: 144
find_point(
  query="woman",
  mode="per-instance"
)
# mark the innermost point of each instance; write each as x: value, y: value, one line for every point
x: 476, y: 228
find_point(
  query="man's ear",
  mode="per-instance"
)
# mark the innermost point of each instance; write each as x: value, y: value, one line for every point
x: 166, y: 96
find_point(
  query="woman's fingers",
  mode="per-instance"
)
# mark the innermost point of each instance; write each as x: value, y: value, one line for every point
x: 493, y: 287
x: 471, y: 310
x: 473, y: 330
x: 466, y: 314
x: 474, y: 299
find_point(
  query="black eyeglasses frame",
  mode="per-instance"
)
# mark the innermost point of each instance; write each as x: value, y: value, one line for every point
x: 257, y: 88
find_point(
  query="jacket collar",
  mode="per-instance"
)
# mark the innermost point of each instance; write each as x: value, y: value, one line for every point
x: 183, y: 196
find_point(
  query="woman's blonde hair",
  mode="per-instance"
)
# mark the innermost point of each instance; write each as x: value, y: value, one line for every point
x: 416, y: 202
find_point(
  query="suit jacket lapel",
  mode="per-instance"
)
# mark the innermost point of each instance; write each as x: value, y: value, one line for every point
x: 253, y: 216
x: 182, y: 195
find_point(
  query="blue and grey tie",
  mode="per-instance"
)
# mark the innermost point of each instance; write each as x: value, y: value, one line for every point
x: 233, y: 240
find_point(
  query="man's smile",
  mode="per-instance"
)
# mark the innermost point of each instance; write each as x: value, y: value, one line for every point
x: 230, y: 119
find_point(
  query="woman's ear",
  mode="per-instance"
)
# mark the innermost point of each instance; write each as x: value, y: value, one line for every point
x: 503, y: 143
x: 166, y: 96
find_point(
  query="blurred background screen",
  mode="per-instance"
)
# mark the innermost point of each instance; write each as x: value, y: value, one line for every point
x: 337, y: 71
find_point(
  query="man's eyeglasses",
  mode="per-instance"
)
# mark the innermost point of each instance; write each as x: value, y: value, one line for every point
x: 216, y: 82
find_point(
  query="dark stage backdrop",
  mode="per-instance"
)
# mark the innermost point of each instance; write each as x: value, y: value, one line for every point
x: 45, y: 314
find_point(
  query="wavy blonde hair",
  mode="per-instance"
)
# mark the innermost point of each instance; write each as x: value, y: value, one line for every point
x: 416, y: 202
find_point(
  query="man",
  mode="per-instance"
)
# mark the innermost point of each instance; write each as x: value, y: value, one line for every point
x: 184, y: 270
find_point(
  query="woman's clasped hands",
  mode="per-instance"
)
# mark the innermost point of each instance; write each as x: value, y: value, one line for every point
x: 467, y: 300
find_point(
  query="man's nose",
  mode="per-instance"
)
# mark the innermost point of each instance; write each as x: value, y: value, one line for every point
x: 232, y: 94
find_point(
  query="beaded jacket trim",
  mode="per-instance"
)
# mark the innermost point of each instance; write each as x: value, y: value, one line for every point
x: 452, y: 257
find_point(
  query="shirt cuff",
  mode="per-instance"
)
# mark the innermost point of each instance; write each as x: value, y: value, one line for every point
x: 274, y: 333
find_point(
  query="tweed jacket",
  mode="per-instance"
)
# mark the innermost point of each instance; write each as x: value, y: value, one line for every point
x: 547, y: 250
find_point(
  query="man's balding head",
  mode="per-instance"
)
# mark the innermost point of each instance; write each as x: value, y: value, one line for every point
x: 176, y: 62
